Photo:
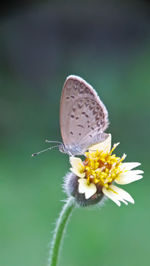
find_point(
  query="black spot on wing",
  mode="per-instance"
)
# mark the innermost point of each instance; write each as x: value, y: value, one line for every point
x: 80, y: 126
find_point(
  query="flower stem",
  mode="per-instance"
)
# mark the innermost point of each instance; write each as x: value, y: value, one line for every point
x: 59, y: 230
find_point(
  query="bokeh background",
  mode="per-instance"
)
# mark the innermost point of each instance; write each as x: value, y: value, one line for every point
x: 41, y: 42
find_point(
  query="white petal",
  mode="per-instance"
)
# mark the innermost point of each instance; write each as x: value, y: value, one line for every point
x: 132, y: 172
x: 82, y: 185
x: 75, y: 161
x: 89, y: 190
x: 77, y: 166
x: 104, y: 146
x: 128, y: 180
x: 129, y: 166
x: 122, y: 193
x: 111, y: 195
x: 117, y: 195
x: 129, y: 177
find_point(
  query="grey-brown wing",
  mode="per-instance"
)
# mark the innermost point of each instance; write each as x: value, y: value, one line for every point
x: 83, y: 116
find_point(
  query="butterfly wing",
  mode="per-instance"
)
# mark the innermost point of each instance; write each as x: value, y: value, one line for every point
x: 83, y: 116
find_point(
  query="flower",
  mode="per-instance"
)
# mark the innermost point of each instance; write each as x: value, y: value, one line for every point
x: 101, y: 169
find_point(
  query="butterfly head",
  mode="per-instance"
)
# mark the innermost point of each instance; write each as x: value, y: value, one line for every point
x: 64, y: 149
x: 71, y: 150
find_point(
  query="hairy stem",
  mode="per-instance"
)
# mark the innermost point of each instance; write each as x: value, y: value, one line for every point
x: 59, y: 231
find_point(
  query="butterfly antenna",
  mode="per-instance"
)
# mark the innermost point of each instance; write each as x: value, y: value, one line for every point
x: 50, y: 148
x: 52, y: 141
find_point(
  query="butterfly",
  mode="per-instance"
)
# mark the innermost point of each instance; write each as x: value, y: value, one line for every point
x: 83, y: 116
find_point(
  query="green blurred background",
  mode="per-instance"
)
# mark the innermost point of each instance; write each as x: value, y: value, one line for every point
x: 41, y: 42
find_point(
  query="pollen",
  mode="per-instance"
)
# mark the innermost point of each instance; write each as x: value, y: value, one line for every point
x: 102, y: 168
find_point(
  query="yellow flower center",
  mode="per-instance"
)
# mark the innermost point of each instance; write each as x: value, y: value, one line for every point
x: 102, y: 168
